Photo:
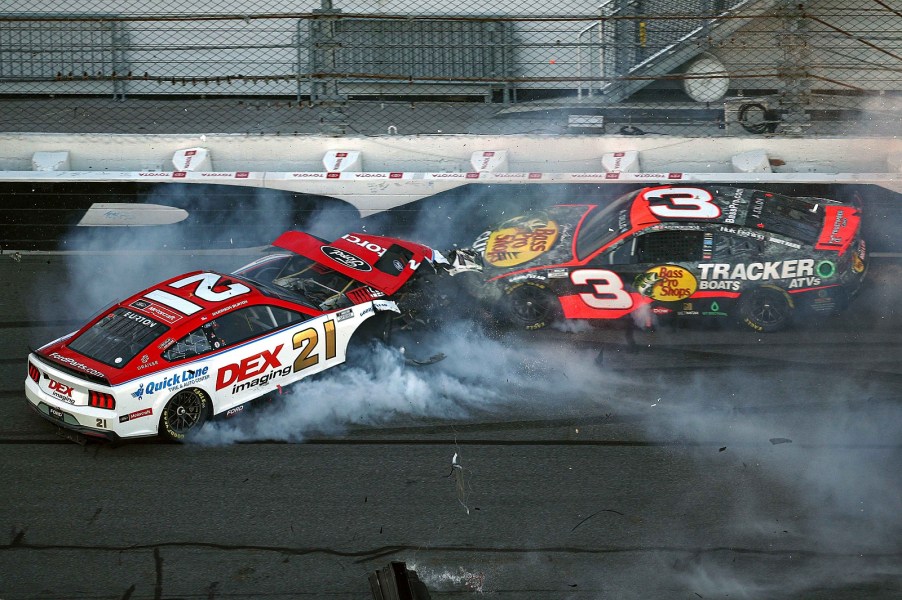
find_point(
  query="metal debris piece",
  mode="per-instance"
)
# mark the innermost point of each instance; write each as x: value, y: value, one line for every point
x: 460, y: 483
x: 776, y: 441
x: 396, y: 581
x: 17, y: 256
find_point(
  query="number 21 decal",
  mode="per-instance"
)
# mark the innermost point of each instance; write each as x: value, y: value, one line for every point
x: 685, y: 203
x: 607, y: 289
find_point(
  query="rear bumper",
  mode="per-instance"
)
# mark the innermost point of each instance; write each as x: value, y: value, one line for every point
x: 68, y: 421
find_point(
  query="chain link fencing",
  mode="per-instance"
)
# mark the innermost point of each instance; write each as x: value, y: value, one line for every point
x: 347, y: 67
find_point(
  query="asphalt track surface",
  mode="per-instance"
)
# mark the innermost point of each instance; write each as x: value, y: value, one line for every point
x: 694, y: 462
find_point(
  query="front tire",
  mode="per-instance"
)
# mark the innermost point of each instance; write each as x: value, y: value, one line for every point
x: 531, y: 305
x: 184, y: 414
x: 765, y: 309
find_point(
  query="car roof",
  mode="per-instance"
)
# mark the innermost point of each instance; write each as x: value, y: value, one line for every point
x: 383, y: 263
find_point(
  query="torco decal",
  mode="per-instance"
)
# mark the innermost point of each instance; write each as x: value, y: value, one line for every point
x: 666, y: 283
x: 346, y: 258
x: 521, y: 242
x: 364, y: 244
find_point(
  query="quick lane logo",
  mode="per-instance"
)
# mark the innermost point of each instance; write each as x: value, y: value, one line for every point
x: 346, y: 258
x: 248, y: 372
x: 177, y: 380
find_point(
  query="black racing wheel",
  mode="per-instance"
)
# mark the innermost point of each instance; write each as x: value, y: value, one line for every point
x: 184, y: 414
x: 531, y: 305
x: 765, y: 309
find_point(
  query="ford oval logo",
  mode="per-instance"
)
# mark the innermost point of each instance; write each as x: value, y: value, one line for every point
x: 346, y: 258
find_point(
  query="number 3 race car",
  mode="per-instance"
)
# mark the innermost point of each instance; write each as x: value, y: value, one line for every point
x: 699, y: 252
x: 204, y: 344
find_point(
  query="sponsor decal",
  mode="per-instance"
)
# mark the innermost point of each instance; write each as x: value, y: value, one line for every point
x: 172, y: 382
x: 612, y: 175
x: 234, y: 411
x: 333, y: 175
x: 733, y: 208
x: 215, y: 174
x: 252, y: 371
x: 143, y: 366
x: 366, y: 311
x: 145, y: 412
x: 346, y: 258
x: 242, y: 174
x: 166, y: 343
x: 688, y: 309
x: 758, y: 271
x: 661, y: 310
x: 708, y: 246
x: 74, y: 363
x: 714, y: 310
x: 228, y: 308
x: 140, y: 319
x: 60, y: 391
x: 557, y: 274
x: 472, y: 175
x: 787, y: 243
x: 364, y: 244
x: 179, y: 174
x: 385, y: 305
x: 521, y: 242
x: 839, y: 222
x: 722, y: 276
x: 344, y: 315
x: 667, y: 283
x: 531, y: 275
x: 140, y: 304
x: 826, y: 269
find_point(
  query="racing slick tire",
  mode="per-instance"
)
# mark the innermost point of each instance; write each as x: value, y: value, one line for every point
x: 765, y: 309
x: 531, y: 305
x: 184, y: 414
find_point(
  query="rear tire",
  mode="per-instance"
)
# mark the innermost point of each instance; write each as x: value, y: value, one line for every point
x: 531, y: 305
x: 765, y: 309
x: 184, y: 414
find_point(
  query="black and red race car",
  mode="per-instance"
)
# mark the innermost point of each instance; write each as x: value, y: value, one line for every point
x: 683, y: 251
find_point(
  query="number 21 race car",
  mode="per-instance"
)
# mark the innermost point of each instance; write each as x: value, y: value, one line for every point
x: 205, y: 344
x: 682, y: 251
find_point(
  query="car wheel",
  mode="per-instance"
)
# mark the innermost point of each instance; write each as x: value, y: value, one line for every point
x: 184, y: 414
x: 531, y: 305
x: 765, y: 309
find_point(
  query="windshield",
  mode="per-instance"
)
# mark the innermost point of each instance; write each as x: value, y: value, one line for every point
x: 603, y: 225
x: 798, y: 218
x: 118, y: 337
x: 301, y: 278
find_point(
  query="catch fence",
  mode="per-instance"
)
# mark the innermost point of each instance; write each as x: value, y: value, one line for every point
x: 681, y: 67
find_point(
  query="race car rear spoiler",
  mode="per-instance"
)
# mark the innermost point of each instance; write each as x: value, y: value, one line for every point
x: 841, y: 224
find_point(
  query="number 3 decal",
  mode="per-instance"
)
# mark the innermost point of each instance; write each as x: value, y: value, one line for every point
x: 607, y: 289
x: 688, y: 203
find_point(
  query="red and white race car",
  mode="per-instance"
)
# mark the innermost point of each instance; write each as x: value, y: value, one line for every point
x: 203, y: 344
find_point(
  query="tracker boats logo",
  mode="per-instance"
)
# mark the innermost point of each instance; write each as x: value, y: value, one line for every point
x: 345, y: 258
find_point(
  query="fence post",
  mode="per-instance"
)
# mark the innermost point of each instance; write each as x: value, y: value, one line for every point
x: 795, y: 86
x: 324, y: 91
